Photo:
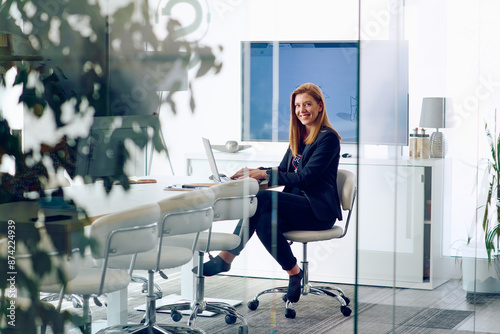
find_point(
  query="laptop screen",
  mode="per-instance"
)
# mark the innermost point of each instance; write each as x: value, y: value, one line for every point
x: 211, y: 160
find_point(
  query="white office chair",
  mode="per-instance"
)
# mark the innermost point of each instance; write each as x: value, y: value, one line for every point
x: 62, y: 268
x: 233, y: 200
x: 346, y: 186
x: 186, y: 213
x: 112, y: 235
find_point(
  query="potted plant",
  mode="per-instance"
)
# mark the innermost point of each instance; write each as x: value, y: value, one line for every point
x: 481, y: 261
x: 491, y: 222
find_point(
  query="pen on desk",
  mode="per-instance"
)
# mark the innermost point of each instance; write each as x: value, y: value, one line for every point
x: 188, y: 186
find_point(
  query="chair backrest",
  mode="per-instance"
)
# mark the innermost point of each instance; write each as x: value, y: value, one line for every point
x: 188, y: 212
x: 113, y: 233
x: 63, y: 267
x: 235, y: 199
x: 346, y: 187
x: 127, y: 232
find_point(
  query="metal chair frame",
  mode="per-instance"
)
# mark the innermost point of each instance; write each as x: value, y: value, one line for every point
x: 199, y: 304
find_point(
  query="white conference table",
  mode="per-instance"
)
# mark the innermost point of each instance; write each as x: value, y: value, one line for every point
x: 96, y: 202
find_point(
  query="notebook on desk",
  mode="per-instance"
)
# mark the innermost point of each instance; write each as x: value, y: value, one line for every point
x: 219, y: 178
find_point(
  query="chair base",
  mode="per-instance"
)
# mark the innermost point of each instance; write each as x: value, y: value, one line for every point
x: 196, y: 308
x: 176, y: 299
x: 323, y: 290
x: 200, y: 304
x: 307, y: 288
x: 152, y: 329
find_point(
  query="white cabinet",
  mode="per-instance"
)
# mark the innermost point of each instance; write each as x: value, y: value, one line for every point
x: 395, y: 234
x: 402, y: 208
x: 390, y: 224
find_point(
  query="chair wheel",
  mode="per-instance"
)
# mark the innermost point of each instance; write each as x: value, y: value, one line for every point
x: 176, y: 315
x: 230, y: 319
x: 143, y: 321
x: 346, y: 311
x: 242, y: 330
x: 347, y: 300
x: 290, y: 313
x: 253, y: 304
x: 76, y: 303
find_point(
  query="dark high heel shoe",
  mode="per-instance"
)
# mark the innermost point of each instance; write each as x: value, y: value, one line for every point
x: 214, y: 266
x: 294, y: 287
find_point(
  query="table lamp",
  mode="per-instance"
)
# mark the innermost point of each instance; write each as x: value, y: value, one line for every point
x: 433, y: 115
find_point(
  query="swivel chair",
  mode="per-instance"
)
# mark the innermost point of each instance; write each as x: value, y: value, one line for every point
x: 233, y: 200
x: 62, y: 267
x: 112, y: 234
x: 186, y: 213
x: 346, y: 187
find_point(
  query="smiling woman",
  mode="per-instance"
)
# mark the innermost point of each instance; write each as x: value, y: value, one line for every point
x: 307, y: 110
x: 309, y: 200
x: 307, y: 133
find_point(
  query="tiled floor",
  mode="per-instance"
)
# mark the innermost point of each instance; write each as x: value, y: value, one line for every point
x: 484, y: 315
x: 449, y: 296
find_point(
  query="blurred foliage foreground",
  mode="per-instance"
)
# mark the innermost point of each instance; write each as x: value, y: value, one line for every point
x: 72, y: 64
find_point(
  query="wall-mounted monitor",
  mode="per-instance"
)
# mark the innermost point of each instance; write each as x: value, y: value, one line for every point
x: 364, y: 85
x: 103, y: 152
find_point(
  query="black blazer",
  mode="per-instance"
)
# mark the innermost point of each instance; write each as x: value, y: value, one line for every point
x: 316, y: 175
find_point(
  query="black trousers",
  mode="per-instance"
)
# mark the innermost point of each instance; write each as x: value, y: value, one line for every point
x: 279, y: 212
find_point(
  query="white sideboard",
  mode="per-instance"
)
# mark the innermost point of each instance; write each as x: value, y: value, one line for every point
x: 395, y: 234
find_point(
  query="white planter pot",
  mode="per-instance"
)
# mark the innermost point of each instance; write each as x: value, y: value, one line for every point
x: 479, y: 276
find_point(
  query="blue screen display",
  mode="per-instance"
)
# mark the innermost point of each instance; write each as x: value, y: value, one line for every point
x: 335, y: 68
x: 331, y: 66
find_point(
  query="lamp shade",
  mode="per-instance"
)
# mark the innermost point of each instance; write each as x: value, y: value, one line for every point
x: 434, y: 112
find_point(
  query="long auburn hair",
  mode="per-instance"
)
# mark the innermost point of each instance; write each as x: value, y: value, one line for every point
x: 297, y: 129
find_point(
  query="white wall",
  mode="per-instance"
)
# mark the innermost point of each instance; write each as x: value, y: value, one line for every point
x: 218, y: 97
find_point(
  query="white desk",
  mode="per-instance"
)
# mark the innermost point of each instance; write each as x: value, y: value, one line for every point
x: 402, y: 208
x: 95, y: 201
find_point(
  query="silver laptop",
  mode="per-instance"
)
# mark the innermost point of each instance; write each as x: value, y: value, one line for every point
x: 219, y: 178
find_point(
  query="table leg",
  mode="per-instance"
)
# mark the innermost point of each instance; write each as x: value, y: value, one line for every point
x: 117, y: 307
x: 187, y: 280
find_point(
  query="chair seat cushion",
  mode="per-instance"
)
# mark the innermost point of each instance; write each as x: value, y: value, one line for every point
x: 88, y: 280
x: 307, y: 236
x: 171, y: 257
x: 220, y: 241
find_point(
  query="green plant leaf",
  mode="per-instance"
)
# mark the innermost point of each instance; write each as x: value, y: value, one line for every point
x: 491, y: 224
x: 124, y: 15
x: 41, y: 263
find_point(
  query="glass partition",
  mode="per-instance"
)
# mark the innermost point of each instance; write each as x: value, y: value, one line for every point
x: 423, y: 206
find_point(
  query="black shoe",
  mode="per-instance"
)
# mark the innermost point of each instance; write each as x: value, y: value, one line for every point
x: 213, y: 267
x: 294, y: 287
